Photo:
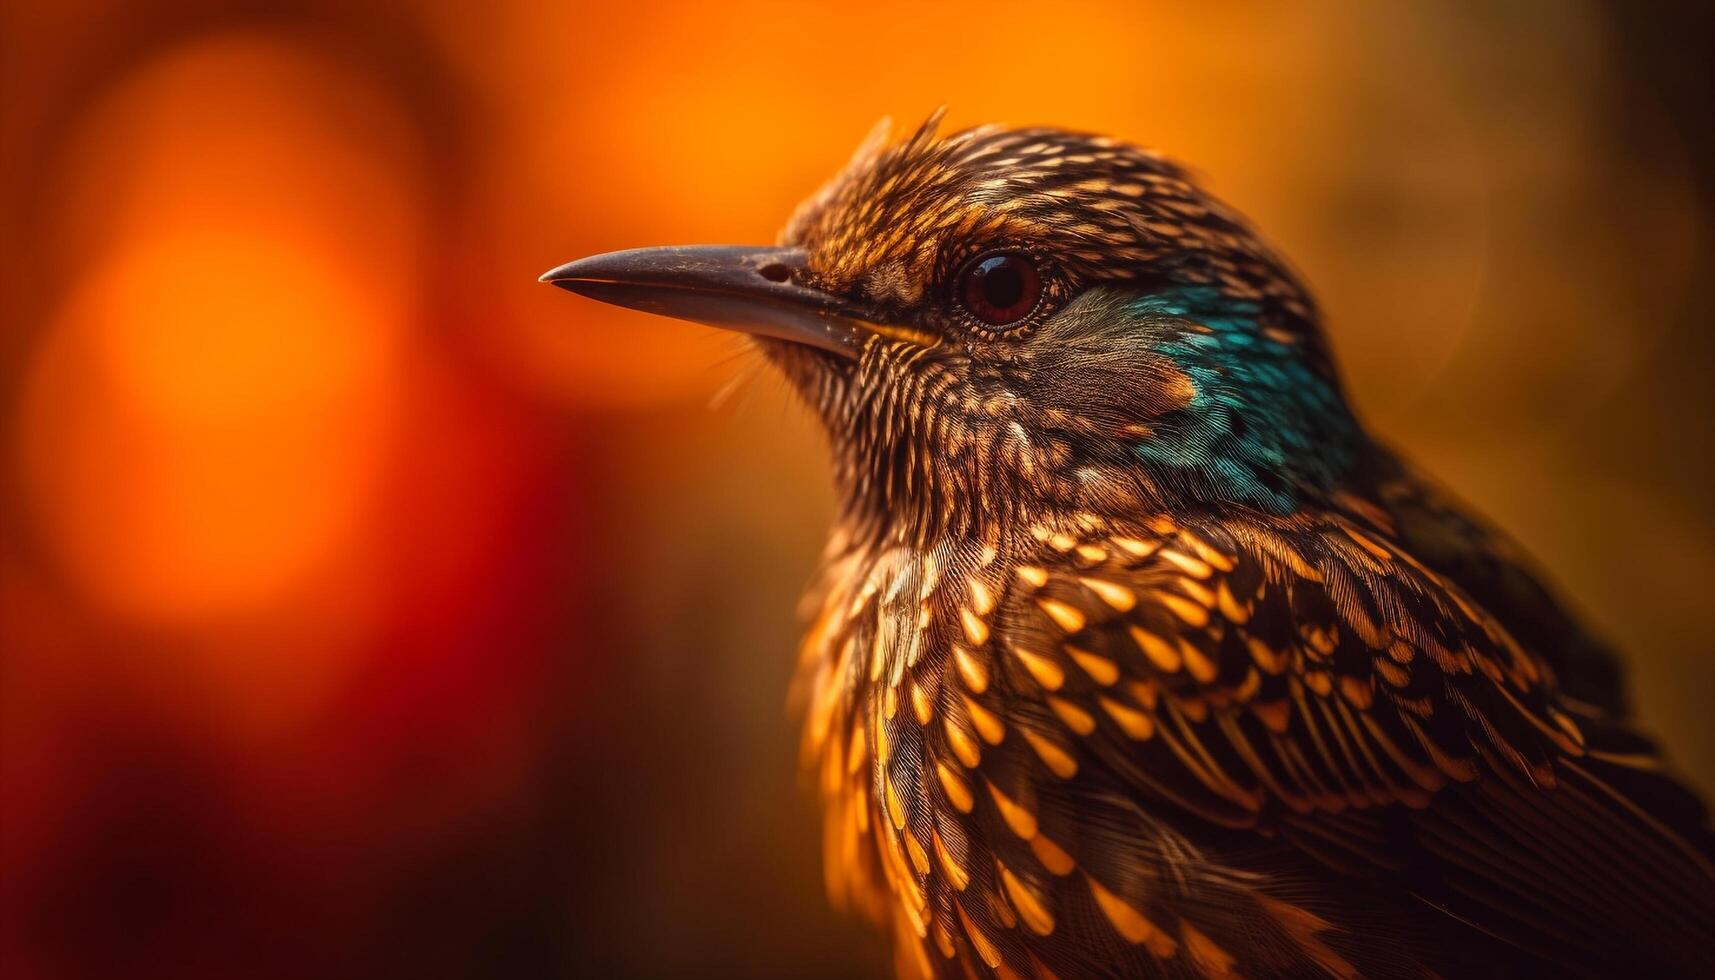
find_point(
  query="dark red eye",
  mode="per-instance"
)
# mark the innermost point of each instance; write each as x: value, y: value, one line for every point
x: 1000, y: 288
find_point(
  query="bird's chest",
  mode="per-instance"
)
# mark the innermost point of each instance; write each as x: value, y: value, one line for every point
x: 893, y: 665
x: 970, y: 721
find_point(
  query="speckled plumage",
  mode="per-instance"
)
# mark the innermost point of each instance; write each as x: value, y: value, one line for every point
x: 1134, y: 656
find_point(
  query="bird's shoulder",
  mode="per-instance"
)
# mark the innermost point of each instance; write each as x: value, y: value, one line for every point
x: 1279, y: 665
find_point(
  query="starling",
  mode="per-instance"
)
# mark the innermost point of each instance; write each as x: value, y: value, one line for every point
x: 1133, y: 654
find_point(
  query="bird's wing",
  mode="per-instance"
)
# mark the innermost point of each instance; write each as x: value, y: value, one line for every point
x: 1439, y: 531
x: 1314, y: 684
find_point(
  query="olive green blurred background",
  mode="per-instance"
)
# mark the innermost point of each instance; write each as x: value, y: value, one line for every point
x: 369, y: 609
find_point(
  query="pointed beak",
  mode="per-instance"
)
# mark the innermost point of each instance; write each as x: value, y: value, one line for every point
x: 753, y: 289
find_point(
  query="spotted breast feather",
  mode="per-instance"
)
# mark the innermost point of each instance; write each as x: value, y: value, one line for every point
x: 1228, y: 747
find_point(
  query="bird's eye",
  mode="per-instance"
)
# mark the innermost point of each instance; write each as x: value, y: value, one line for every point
x: 1000, y: 288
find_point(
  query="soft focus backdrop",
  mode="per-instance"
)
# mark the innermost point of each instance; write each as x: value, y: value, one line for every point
x: 369, y: 609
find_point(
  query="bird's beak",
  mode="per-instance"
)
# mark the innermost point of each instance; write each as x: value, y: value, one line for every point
x: 754, y: 289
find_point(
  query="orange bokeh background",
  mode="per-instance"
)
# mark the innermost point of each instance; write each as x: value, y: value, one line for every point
x: 370, y: 609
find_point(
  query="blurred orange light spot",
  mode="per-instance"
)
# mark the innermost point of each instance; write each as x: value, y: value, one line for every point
x: 198, y: 451
x: 208, y: 420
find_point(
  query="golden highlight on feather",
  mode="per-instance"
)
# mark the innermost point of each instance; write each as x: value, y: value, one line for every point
x: 1055, y: 860
x: 1163, y: 655
x: 1134, y: 723
x: 1032, y: 908
x: 1134, y: 547
x: 1002, y: 910
x: 1194, y: 567
x: 922, y: 705
x: 1229, y: 606
x: 1069, y: 618
x: 982, y: 600
x: 1200, y: 667
x: 1041, y: 668
x: 955, y: 872
x: 1100, y: 669
x: 1091, y: 554
x: 964, y: 747
x: 1058, y: 760
x: 1021, y: 821
x: 1131, y: 924
x: 1193, y: 614
x: 1197, y: 591
x: 1305, y: 927
x: 1081, y: 722
x: 957, y: 790
x: 1265, y: 656
x: 1214, y: 962
x: 973, y: 670
x: 987, y: 723
x: 976, y: 630
x: 979, y: 940
x: 1118, y: 597
x: 895, y: 812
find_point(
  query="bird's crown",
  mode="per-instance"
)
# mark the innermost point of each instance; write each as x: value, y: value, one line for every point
x: 903, y: 216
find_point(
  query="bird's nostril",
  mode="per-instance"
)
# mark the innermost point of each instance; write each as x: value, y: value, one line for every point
x: 776, y: 272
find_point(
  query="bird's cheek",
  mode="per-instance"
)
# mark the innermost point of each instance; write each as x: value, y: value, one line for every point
x: 1123, y: 397
x: 1169, y: 389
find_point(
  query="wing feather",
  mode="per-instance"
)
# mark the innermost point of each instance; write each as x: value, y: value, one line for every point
x: 1312, y: 683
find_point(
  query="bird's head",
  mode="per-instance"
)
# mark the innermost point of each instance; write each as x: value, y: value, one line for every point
x: 1006, y: 321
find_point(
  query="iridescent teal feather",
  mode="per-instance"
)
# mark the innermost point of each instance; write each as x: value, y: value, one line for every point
x: 1263, y: 427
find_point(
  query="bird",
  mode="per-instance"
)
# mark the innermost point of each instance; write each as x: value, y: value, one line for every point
x: 1132, y: 652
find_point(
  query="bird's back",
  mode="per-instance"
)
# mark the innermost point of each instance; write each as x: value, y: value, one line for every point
x: 1448, y: 538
